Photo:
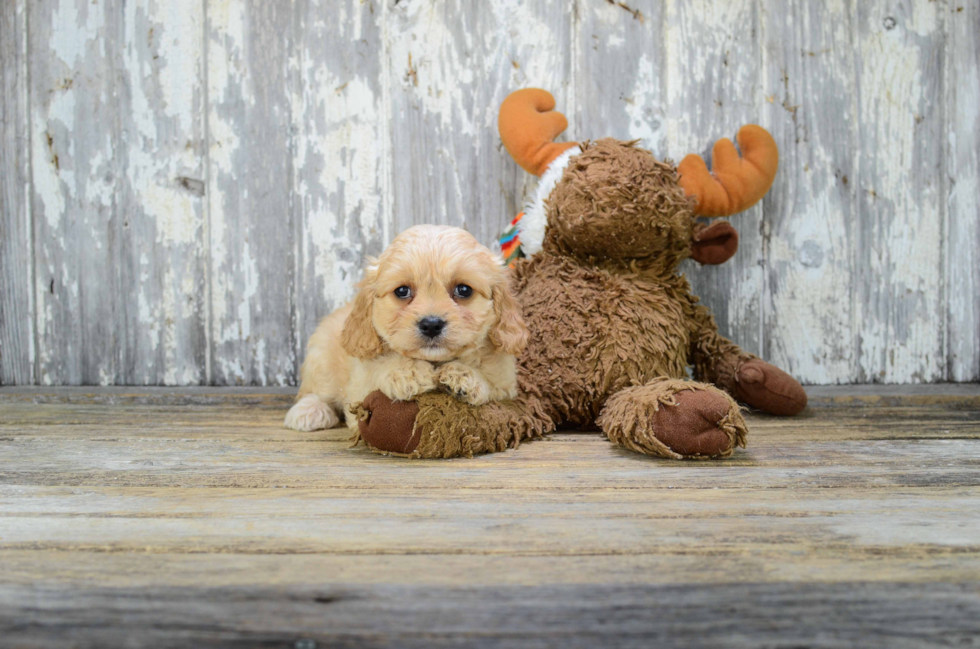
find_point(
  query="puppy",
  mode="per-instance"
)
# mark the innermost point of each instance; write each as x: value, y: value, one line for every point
x: 434, y: 311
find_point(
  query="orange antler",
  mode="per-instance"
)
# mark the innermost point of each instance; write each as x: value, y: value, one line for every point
x: 527, y: 127
x: 735, y: 183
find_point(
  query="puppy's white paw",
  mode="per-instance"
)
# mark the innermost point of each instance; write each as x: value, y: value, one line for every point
x: 465, y: 383
x: 406, y: 382
x: 310, y: 413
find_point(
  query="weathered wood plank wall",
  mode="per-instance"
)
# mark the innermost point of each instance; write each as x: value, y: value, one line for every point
x: 16, y: 253
x: 961, y: 75
x: 187, y: 187
x: 117, y: 138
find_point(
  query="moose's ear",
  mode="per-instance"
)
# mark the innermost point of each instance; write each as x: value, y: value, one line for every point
x: 714, y: 244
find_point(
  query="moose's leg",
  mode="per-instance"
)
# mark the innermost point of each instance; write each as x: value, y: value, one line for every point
x: 437, y: 425
x: 745, y: 376
x: 674, y: 418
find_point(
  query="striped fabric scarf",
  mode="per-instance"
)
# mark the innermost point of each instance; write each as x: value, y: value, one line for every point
x: 510, y: 241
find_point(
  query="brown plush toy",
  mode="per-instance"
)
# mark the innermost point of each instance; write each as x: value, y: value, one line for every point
x: 614, y: 327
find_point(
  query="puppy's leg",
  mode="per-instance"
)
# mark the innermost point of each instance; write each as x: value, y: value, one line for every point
x: 480, y: 379
x: 500, y: 372
x: 311, y: 413
x: 325, y: 374
x: 402, y: 378
x: 465, y: 383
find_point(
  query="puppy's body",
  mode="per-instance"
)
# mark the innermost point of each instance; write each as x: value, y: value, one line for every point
x: 433, y: 311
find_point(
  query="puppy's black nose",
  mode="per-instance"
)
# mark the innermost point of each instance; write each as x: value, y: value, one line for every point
x: 431, y: 326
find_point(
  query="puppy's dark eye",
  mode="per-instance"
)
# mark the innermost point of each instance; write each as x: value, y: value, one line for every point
x: 463, y: 291
x: 403, y: 292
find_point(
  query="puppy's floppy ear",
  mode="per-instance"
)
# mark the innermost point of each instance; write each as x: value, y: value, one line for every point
x: 508, y: 334
x: 359, y: 338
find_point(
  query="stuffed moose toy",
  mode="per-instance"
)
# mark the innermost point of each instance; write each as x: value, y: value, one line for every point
x: 613, y: 326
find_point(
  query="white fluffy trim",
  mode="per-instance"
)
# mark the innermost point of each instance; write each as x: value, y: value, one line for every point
x: 533, y: 222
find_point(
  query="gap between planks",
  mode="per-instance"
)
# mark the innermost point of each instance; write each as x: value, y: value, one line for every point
x: 953, y: 394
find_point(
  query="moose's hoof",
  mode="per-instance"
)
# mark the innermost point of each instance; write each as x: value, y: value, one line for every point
x: 769, y: 389
x: 692, y: 427
x: 674, y: 418
x: 389, y: 425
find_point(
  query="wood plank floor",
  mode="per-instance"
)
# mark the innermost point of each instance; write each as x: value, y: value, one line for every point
x: 175, y: 518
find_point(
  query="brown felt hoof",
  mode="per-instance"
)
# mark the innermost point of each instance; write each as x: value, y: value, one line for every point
x: 674, y: 418
x: 692, y: 426
x: 769, y: 389
x: 389, y: 425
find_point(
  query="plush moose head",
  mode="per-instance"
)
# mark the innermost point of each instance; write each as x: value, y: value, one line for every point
x: 609, y: 199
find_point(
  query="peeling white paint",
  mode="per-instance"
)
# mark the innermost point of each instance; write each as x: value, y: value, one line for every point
x: 899, y: 334
x: 177, y: 26
x: 377, y: 144
x: 808, y: 312
x: 646, y: 97
x: 712, y: 88
x: 227, y: 35
x: 962, y: 65
x: 177, y: 214
x: 73, y: 26
x: 427, y: 54
x: 811, y: 293
x: 250, y: 276
x: 47, y: 180
x: 114, y: 124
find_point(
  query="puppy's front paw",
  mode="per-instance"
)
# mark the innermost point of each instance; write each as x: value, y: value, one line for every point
x: 465, y: 383
x: 310, y: 413
x: 408, y: 381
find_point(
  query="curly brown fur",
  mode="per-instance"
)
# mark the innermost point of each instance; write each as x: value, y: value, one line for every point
x: 615, y: 201
x: 714, y: 358
x: 595, y: 331
x: 450, y: 428
x: 645, y: 418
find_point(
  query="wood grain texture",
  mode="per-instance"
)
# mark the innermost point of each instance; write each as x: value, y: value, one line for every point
x: 16, y: 252
x: 714, y: 86
x: 621, y: 73
x: 339, y: 125
x: 951, y: 395
x: 252, y: 233
x: 732, y: 615
x: 811, y: 212
x: 450, y: 65
x: 187, y: 187
x: 116, y: 570
x: 145, y: 523
x: 117, y: 108
x: 499, y: 523
x: 899, y: 266
x: 962, y: 236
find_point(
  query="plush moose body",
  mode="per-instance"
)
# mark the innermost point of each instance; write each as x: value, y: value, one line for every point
x: 614, y: 328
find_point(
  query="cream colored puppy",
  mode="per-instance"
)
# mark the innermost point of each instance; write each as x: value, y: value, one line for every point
x: 433, y: 311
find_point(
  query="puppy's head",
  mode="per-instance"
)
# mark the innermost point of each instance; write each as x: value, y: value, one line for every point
x: 433, y: 294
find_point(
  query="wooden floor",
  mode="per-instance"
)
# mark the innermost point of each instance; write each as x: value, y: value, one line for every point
x: 167, y: 518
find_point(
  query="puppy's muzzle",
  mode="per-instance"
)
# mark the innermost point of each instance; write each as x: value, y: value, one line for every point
x: 431, y: 326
